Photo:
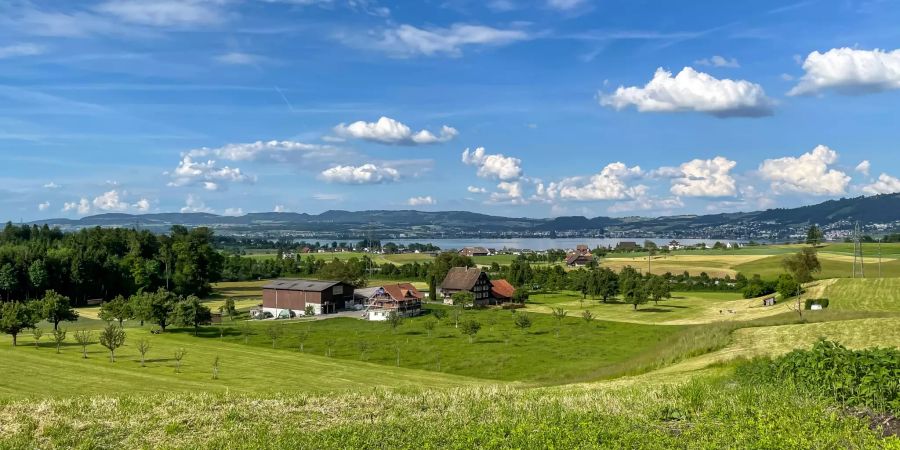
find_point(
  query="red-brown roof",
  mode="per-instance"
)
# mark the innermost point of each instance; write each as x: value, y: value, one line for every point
x: 502, y: 289
x: 401, y: 291
x: 461, y: 278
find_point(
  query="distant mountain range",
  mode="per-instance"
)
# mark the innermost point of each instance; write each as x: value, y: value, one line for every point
x: 876, y: 213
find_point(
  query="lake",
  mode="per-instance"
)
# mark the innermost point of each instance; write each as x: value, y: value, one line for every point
x: 541, y: 243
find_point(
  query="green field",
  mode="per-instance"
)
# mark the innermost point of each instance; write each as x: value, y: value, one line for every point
x: 833, y: 266
x: 530, y: 388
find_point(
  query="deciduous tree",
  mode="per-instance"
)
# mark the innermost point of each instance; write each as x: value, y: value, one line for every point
x: 56, y: 308
x: 15, y: 317
x: 112, y: 337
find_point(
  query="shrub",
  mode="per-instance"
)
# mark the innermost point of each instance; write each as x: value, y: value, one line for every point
x: 852, y: 377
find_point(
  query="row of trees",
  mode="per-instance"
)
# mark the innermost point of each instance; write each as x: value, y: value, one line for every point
x: 16, y: 317
x: 105, y: 262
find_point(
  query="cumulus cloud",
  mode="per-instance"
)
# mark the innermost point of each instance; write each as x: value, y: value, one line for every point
x: 193, y: 204
x: 279, y: 209
x: 508, y: 192
x: 703, y: 178
x: 647, y: 203
x: 863, y: 167
x: 142, y: 205
x: 390, y: 131
x: 495, y: 166
x: 51, y: 185
x: 82, y: 206
x: 43, y: 206
x: 277, y: 151
x: 207, y: 174
x: 421, y: 201
x: 364, y: 174
x: 233, y: 212
x: 718, y: 61
x: 476, y: 190
x: 808, y: 174
x: 110, y: 201
x: 407, y: 40
x: 691, y: 90
x: 24, y: 49
x: 164, y: 13
x: 611, y: 183
x: 885, y: 184
x: 849, y: 71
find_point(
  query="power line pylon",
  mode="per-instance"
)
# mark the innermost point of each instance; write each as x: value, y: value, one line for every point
x: 858, y: 263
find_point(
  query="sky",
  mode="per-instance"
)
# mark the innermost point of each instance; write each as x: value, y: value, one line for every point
x: 537, y: 108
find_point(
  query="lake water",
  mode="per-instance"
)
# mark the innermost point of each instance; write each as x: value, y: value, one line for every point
x: 541, y: 243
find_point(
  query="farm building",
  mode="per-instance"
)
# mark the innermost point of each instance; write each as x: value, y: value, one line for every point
x: 502, y: 291
x: 627, y: 246
x: 290, y: 297
x: 474, y: 251
x: 466, y: 279
x: 380, y: 301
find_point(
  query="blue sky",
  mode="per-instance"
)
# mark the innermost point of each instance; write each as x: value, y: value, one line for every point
x: 522, y: 108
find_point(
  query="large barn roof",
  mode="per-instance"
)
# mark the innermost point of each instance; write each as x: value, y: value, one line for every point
x: 286, y: 284
x: 461, y: 278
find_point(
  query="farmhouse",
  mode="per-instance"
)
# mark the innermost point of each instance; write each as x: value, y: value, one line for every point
x: 465, y: 279
x: 502, y: 291
x: 474, y: 251
x: 290, y: 297
x: 380, y: 301
x: 627, y: 246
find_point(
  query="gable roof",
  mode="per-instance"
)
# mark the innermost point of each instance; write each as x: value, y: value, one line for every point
x: 402, y: 290
x: 579, y: 257
x: 289, y: 284
x: 502, y: 289
x: 461, y: 278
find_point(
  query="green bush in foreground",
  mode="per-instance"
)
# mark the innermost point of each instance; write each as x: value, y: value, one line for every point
x: 705, y: 413
x: 869, y: 377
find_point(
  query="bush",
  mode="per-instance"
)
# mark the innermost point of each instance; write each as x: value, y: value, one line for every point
x: 852, y: 377
x: 816, y: 301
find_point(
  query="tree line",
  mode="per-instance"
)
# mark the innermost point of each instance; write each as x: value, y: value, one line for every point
x: 101, y: 263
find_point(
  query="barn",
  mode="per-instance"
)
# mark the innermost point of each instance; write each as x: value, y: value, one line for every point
x: 466, y: 279
x: 290, y: 297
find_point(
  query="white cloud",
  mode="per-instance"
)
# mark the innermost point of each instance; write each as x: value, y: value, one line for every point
x: 207, y: 174
x: 421, y: 201
x: 390, y: 131
x: 233, y: 212
x: 43, y: 206
x: 239, y: 59
x: 82, y: 207
x: 885, y: 184
x: 52, y: 185
x: 364, y: 174
x: 327, y: 197
x: 610, y: 184
x: 496, y: 166
x: 407, y: 40
x: 25, y: 49
x: 277, y: 151
x: 109, y: 201
x: 142, y: 205
x: 863, y: 167
x: 809, y: 173
x: 693, y: 91
x: 164, y: 13
x: 280, y: 209
x: 702, y: 178
x: 508, y: 192
x: 194, y: 204
x: 849, y: 71
x: 565, y: 5
x: 718, y: 61
x: 476, y: 190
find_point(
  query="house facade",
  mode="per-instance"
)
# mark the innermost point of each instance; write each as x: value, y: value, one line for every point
x: 287, y: 298
x: 381, y: 301
x: 467, y: 279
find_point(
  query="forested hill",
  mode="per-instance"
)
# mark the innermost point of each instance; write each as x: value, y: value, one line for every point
x: 880, y: 209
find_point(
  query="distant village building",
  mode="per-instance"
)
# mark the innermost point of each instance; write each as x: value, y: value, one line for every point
x: 627, y: 246
x: 474, y: 251
x: 580, y: 257
x: 582, y: 248
x: 380, y: 301
x: 502, y: 291
x: 290, y: 297
x: 467, y: 279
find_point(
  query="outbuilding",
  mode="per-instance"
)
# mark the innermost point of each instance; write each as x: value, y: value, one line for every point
x: 289, y: 297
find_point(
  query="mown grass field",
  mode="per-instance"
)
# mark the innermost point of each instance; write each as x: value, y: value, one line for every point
x: 878, y: 294
x: 833, y: 266
x: 683, y: 308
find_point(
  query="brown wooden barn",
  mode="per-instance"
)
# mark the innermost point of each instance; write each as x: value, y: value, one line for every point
x: 290, y: 297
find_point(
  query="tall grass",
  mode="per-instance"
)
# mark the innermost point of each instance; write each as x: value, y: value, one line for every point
x: 704, y: 413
